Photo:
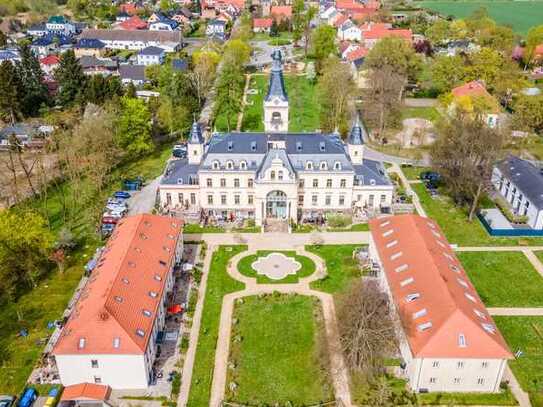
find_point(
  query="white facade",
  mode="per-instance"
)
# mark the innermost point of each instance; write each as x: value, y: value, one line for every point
x: 521, y: 204
x: 349, y: 32
x: 150, y: 59
x: 276, y: 115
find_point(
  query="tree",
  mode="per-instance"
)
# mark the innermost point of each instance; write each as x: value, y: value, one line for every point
x: 274, y: 29
x: 464, y: 153
x: 323, y: 43
x: 297, y: 20
x: 336, y: 101
x: 306, y: 25
x: 397, y: 55
x: 529, y: 113
x: 71, y: 80
x: 366, y: 328
x: 133, y: 133
x: 533, y: 39
x: 25, y: 244
x: 10, y: 93
x: 174, y: 118
x: 447, y: 72
x: 202, y: 74
x: 228, y: 101
x: 3, y: 39
x: 34, y: 90
x: 237, y: 52
x: 100, y: 89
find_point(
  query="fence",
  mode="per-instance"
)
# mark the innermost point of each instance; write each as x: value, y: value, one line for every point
x: 508, y: 232
x: 333, y: 403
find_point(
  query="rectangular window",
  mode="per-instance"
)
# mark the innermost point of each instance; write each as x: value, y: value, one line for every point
x: 97, y: 379
x: 314, y: 199
x: 210, y: 199
x: 94, y: 363
x: 301, y: 184
x: 370, y: 201
x: 223, y: 199
x: 236, y: 200
x: 223, y: 182
x: 209, y: 182
x: 329, y: 183
x: 180, y: 198
x: 481, y: 381
x: 383, y: 198
x: 250, y: 199
x: 460, y: 365
x: 456, y: 380
x: 435, y: 363
x: 236, y: 182
x: 484, y: 365
x: 342, y: 200
x: 300, y: 199
x: 343, y: 183
x: 433, y: 380
x: 193, y: 199
x: 250, y: 183
x: 168, y: 198
x: 315, y: 183
x: 328, y: 200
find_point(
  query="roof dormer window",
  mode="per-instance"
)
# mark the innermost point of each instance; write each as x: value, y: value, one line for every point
x: 309, y: 165
x: 337, y: 166
x: 323, y: 165
x: 229, y: 165
x: 412, y: 297
x: 215, y: 165
x: 243, y: 165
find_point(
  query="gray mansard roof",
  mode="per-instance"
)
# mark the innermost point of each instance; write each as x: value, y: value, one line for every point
x: 525, y: 176
x: 358, y: 133
x: 276, y: 88
x: 258, y: 150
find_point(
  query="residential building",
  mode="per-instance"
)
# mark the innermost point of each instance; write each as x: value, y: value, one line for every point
x: 98, y: 66
x: 89, y: 47
x: 11, y: 55
x: 262, y: 25
x: 49, y: 44
x: 216, y: 28
x: 348, y: 31
x: 110, y: 337
x: 151, y: 56
x: 60, y: 25
x: 520, y: 183
x: 473, y: 95
x: 448, y: 340
x: 131, y: 24
x: 275, y: 175
x: 376, y: 32
x: 85, y: 394
x: 49, y: 63
x: 281, y: 12
x: 134, y: 74
x: 159, y: 22
x: 37, y: 30
x: 137, y: 40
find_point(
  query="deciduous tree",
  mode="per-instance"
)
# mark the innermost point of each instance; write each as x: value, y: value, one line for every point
x: 528, y: 113
x: 323, y: 43
x: 133, y: 133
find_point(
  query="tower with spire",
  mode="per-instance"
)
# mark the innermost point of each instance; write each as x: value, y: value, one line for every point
x: 355, y: 142
x: 195, y: 144
x: 276, y: 100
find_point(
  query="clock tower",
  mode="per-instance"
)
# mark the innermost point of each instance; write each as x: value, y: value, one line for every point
x: 276, y: 100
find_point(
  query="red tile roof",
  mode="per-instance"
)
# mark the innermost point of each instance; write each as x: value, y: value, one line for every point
x: 129, y: 8
x: 340, y: 20
x: 262, y: 22
x: 442, y: 314
x: 133, y: 23
x: 379, y: 33
x: 129, y: 279
x: 354, y: 6
x: 473, y: 88
x: 50, y: 60
x: 358, y: 53
x: 281, y: 11
x: 85, y: 391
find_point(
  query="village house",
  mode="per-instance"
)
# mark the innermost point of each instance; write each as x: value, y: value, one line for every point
x: 134, y: 74
x: 50, y: 44
x: 280, y: 13
x: 137, y: 40
x: 60, y: 25
x: 131, y: 24
x: 49, y: 64
x: 151, y: 56
x: 448, y: 340
x: 216, y: 28
x: 98, y: 66
x: 275, y: 176
x: 262, y: 25
x: 111, y: 335
x: 472, y: 97
x: 89, y: 47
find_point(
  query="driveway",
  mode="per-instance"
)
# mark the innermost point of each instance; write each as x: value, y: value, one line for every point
x: 263, y: 51
x: 144, y: 201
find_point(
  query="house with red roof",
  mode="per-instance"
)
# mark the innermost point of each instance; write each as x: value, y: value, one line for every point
x: 262, y: 25
x: 129, y: 8
x: 110, y: 337
x: 448, y: 340
x: 49, y: 63
x: 473, y: 96
x: 376, y: 32
x: 133, y: 23
x: 280, y: 13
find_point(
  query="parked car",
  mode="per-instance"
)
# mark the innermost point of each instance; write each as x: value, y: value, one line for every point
x: 121, y: 195
x: 52, y: 398
x: 6, y: 401
x: 116, y: 208
x: 133, y: 184
x: 179, y: 153
x: 107, y: 229
x: 430, y: 176
x: 28, y: 398
x: 180, y: 147
x: 110, y: 219
x: 116, y: 201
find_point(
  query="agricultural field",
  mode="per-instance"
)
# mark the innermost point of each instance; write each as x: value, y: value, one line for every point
x: 521, y: 16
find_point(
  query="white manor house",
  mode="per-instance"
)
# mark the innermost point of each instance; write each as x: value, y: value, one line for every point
x: 275, y: 174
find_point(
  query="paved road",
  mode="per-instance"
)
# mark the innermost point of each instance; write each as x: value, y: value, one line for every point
x: 144, y: 201
x: 422, y: 102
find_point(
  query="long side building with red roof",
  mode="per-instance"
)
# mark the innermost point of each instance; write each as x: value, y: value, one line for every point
x: 448, y: 340
x: 111, y: 335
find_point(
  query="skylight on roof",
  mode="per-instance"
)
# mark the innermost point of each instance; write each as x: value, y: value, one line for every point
x: 489, y: 328
x: 392, y: 244
x: 125, y: 280
x: 140, y: 332
x: 81, y: 343
x: 157, y: 277
x: 412, y: 297
x: 118, y: 299
x: 388, y: 233
x: 147, y: 313
x: 470, y: 297
x: 420, y: 314
x: 401, y: 268
x: 396, y: 255
x: 407, y: 281
x: 162, y: 263
x: 116, y: 343
x: 424, y: 326
x: 385, y: 223
x: 462, y: 341
x: 153, y: 294
x: 454, y: 268
x: 479, y: 314
x: 463, y: 283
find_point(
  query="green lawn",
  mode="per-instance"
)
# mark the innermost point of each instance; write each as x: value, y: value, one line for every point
x: 274, y: 350
x: 428, y: 113
x: 303, y: 104
x: 245, y: 268
x: 504, y: 279
x: 34, y: 309
x: 342, y: 269
x: 413, y: 173
x: 526, y: 334
x: 521, y: 15
x: 358, y: 227
x: 504, y: 398
x: 219, y: 284
x: 454, y: 222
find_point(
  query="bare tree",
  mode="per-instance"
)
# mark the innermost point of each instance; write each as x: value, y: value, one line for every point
x: 366, y: 327
x: 464, y: 153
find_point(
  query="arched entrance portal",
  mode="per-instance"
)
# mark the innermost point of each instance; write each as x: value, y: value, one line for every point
x: 276, y: 205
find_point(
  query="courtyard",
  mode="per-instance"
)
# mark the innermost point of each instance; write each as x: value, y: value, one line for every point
x: 271, y: 267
